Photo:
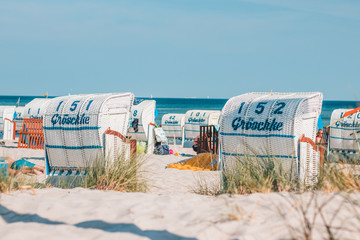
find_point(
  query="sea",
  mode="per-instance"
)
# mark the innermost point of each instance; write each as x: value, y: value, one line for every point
x: 181, y: 105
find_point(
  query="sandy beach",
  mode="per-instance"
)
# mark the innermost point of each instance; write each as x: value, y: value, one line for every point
x: 169, y: 210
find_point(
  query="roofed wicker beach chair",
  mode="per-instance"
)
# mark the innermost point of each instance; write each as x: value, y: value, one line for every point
x: 142, y: 123
x: 173, y: 126
x: 193, y: 120
x: 74, y: 128
x: 36, y: 108
x: 271, y: 125
x: 344, y: 137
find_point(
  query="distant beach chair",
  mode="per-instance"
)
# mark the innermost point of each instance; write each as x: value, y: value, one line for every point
x: 18, y: 118
x: 74, y: 128
x: 9, y: 124
x: 31, y: 134
x: 36, y: 108
x: 173, y: 126
x: 344, y: 137
x: 5, y: 109
x: 271, y: 125
x: 193, y: 120
x: 142, y: 123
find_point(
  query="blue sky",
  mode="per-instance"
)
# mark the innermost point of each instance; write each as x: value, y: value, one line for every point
x: 182, y: 48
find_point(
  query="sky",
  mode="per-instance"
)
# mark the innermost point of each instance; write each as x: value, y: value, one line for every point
x: 180, y: 48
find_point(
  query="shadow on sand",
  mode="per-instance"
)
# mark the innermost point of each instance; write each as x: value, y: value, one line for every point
x: 10, y: 216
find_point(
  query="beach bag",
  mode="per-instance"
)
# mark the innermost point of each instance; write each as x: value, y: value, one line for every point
x: 161, y: 150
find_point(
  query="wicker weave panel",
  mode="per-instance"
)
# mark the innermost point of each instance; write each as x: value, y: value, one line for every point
x: 172, y: 124
x: 345, y: 132
x: 8, y: 127
x: 195, y: 118
x: 36, y: 108
x: 74, y: 127
x: 268, y: 124
x: 310, y: 164
x: 2, y: 118
x: 145, y: 113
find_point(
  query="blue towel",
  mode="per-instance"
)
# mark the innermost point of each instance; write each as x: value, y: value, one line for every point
x: 19, y: 164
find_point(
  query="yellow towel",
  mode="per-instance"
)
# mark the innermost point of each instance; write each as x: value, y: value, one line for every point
x: 201, y: 162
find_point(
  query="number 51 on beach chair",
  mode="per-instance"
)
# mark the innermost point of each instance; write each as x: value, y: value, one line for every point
x: 74, y: 129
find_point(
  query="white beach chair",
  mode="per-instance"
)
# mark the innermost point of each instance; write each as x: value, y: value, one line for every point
x: 173, y: 126
x: 2, y: 118
x: 142, y: 124
x: 344, y: 137
x: 193, y: 120
x: 74, y: 128
x: 9, y: 126
x: 18, y: 119
x: 35, y: 109
x: 270, y: 125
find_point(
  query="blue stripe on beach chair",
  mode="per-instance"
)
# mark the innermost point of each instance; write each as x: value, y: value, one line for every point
x: 348, y: 139
x: 353, y: 128
x: 195, y: 124
x: 189, y: 139
x: 261, y: 156
x: 67, y: 173
x: 256, y: 135
x: 343, y: 151
x: 74, y: 147
x: 137, y: 132
x: 72, y: 128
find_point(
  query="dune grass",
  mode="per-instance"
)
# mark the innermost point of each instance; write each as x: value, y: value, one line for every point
x: 249, y: 175
x: 124, y: 175
x: 263, y: 175
x: 9, y: 183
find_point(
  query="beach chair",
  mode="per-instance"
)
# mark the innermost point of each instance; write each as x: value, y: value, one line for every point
x: 173, y: 126
x: 193, y: 120
x: 270, y: 126
x: 9, y: 124
x: 74, y: 128
x: 142, y: 123
x: 18, y: 118
x: 344, y: 137
x: 2, y: 118
x: 35, y: 109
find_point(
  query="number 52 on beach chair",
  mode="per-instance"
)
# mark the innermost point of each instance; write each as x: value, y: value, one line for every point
x: 271, y: 125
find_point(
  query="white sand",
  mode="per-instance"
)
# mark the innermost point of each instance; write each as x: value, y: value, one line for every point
x: 168, y: 211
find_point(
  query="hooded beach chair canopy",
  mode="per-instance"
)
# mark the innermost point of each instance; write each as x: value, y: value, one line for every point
x: 142, y: 121
x: 142, y: 114
x: 266, y: 125
x: 18, y: 117
x: 36, y: 108
x: 2, y: 118
x: 344, y: 134
x: 74, y: 128
x: 195, y: 118
x: 5, y: 112
x: 173, y: 124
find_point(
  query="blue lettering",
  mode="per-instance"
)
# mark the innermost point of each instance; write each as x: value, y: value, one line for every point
x: 251, y: 124
x: 69, y: 120
x: 199, y: 120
